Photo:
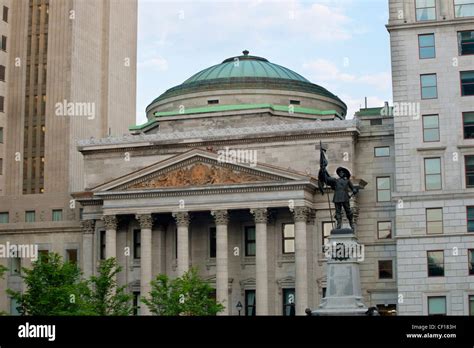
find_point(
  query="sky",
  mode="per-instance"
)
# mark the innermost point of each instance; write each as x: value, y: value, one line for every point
x: 342, y: 45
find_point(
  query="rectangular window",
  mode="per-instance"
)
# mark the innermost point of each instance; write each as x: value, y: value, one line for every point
x: 429, y: 86
x: 386, y: 269
x: 436, y: 305
x: 383, y: 151
x: 2, y: 103
x: 295, y: 102
x: 432, y: 174
x: 102, y: 245
x: 288, y: 236
x: 212, y: 242
x: 288, y: 302
x: 1, y: 135
x: 430, y: 128
x: 71, y: 256
x: 213, y: 101
x: 57, y: 215
x: 136, y: 303
x: 250, y: 303
x: 4, y: 218
x: 435, y: 263
x: 376, y: 122
x: 466, y: 42
x: 250, y: 243
x: 426, y: 45
x: 2, y: 72
x: 43, y: 255
x: 383, y: 189
x: 425, y: 10
x: 468, y: 125
x: 5, y: 14
x: 470, y: 219
x: 434, y: 220
x: 471, y: 305
x: 467, y: 83
x: 326, y: 232
x: 3, y: 43
x: 30, y: 216
x: 464, y: 8
x: 469, y: 170
x: 15, y: 266
x: 136, y: 244
x: 384, y: 230
x: 470, y: 255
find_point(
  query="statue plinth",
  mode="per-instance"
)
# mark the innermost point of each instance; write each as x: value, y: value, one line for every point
x: 343, y: 292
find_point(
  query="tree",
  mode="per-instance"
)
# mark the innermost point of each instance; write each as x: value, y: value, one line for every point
x: 187, y: 295
x: 3, y: 269
x: 52, y: 288
x: 105, y: 298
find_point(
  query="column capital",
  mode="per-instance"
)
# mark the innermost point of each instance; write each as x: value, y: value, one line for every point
x: 300, y: 214
x: 182, y: 218
x: 145, y: 221
x: 110, y: 222
x: 88, y: 226
x: 260, y: 215
x: 311, y: 216
x: 221, y: 217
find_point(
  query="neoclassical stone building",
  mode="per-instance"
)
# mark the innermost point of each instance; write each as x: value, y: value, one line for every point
x: 223, y: 177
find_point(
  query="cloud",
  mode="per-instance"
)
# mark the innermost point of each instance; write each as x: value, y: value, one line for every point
x: 158, y: 63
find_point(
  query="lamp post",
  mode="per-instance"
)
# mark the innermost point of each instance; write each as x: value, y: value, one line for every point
x: 239, y: 307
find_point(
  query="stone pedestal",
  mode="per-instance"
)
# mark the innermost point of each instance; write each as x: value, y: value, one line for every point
x: 343, y: 292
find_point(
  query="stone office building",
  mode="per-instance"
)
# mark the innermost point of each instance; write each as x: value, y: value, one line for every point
x: 222, y: 177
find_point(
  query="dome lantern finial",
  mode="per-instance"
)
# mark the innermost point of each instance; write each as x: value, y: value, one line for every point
x: 245, y: 52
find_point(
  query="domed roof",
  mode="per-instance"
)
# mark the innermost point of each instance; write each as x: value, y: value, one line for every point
x: 246, y: 72
x: 245, y: 66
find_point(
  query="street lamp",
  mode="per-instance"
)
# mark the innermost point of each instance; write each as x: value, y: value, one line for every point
x: 239, y: 307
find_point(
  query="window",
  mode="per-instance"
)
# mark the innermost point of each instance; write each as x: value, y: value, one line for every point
x: 435, y: 263
x: 467, y: 83
x: 57, y: 215
x: 250, y: 243
x: 250, y: 303
x: 30, y: 216
x: 387, y: 310
x: 136, y: 244
x: 432, y: 174
x: 71, y: 256
x: 425, y: 10
x: 212, y: 242
x: 4, y: 218
x: 434, y: 220
x: 5, y: 14
x: 471, y: 305
x: 295, y: 102
x: 136, y: 303
x: 384, y: 230
x: 376, y: 122
x: 470, y: 255
x: 430, y: 128
x: 213, y: 101
x: 2, y: 103
x: 43, y: 255
x: 429, y: 89
x: 326, y: 232
x: 466, y: 42
x: 288, y: 302
x: 14, y: 307
x: 1, y: 135
x: 470, y: 219
x: 102, y: 245
x: 436, y: 305
x: 426, y: 45
x: 383, y: 189
x: 469, y: 170
x: 288, y: 235
x: 464, y: 8
x: 2, y: 72
x: 15, y: 266
x: 386, y: 269
x: 382, y: 151
x: 3, y: 45
x: 468, y: 125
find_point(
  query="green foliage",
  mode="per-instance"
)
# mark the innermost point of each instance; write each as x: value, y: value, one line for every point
x: 52, y: 288
x: 187, y: 295
x: 105, y: 298
x: 3, y: 269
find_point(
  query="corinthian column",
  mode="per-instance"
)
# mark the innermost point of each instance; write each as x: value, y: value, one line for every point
x: 221, y: 218
x: 110, y: 222
x: 301, y: 215
x: 88, y: 228
x: 182, y: 221
x: 261, y: 258
x: 146, y: 224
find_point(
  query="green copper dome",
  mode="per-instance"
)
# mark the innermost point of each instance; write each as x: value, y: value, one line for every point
x: 245, y: 66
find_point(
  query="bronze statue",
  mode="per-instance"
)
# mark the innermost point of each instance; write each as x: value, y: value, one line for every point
x: 341, y: 187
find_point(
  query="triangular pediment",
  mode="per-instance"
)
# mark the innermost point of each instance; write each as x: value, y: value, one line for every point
x: 197, y: 168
